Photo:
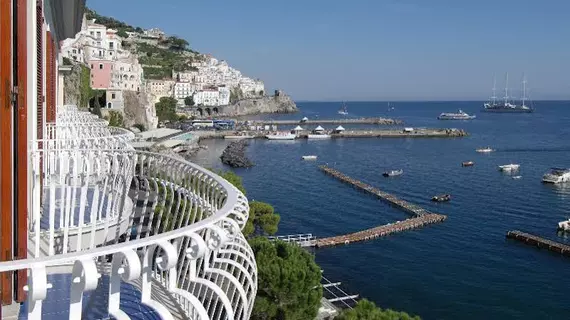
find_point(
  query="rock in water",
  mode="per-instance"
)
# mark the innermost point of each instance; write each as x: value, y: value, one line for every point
x: 234, y: 155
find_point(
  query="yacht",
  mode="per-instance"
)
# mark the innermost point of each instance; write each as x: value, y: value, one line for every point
x: 281, y: 136
x: 460, y: 115
x: 484, y: 150
x: 509, y: 167
x: 557, y: 175
x: 309, y: 157
x: 467, y: 163
x: 343, y: 109
x: 318, y: 136
x: 506, y: 106
x: 393, y: 173
x: 441, y: 198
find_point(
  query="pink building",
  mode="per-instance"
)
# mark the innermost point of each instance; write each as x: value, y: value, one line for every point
x: 101, y: 73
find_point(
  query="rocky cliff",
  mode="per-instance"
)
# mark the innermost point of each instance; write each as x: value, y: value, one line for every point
x: 279, y: 103
x: 139, y: 109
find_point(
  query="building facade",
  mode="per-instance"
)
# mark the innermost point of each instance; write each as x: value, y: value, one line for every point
x: 87, y: 228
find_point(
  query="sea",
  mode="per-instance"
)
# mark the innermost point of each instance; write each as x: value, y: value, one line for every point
x: 463, y: 268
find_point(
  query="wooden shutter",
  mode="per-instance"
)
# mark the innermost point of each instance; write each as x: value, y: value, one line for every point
x: 6, y: 168
x: 50, y: 78
x: 21, y: 144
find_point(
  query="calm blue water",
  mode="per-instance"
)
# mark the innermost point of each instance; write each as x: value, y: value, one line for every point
x: 463, y: 268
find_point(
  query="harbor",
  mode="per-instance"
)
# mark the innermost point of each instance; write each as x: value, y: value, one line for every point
x: 539, y: 242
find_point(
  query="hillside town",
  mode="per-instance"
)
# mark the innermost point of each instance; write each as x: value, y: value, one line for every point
x: 116, y: 66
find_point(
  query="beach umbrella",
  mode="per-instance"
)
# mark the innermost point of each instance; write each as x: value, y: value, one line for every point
x: 319, y: 128
x: 298, y: 128
x: 339, y: 128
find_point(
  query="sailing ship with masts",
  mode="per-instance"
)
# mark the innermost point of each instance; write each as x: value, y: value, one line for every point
x: 343, y: 110
x: 508, y: 106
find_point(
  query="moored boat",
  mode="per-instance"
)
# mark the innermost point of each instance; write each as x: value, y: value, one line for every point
x: 564, y: 225
x: 311, y: 157
x: 239, y: 136
x: 484, y: 150
x: 318, y: 136
x: 281, y: 136
x: 441, y: 198
x: 467, y: 163
x: 557, y: 175
x: 393, y: 173
x: 509, y: 167
x: 517, y: 177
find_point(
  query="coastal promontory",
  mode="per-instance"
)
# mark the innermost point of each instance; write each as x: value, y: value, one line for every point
x: 278, y: 103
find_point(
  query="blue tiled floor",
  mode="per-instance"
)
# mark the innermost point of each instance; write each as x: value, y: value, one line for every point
x: 56, y: 305
x: 58, y: 220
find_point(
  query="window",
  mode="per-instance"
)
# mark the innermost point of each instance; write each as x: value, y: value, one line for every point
x: 91, y: 66
x: 111, y: 44
x: 112, y: 96
x: 100, y: 66
x: 91, y: 33
x: 98, y: 34
x: 74, y: 51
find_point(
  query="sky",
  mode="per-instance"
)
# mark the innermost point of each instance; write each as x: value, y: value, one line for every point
x: 389, y: 50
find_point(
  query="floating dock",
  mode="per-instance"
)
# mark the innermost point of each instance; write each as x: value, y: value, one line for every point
x: 539, y: 242
x: 380, y: 121
x: 421, y: 217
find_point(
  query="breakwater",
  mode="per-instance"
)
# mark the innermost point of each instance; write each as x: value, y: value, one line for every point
x: 421, y: 217
x: 539, y: 242
x: 380, y: 121
x: 419, y: 133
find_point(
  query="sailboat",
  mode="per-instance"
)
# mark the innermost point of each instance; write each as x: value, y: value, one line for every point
x: 343, y: 109
x: 506, y: 106
x: 390, y: 107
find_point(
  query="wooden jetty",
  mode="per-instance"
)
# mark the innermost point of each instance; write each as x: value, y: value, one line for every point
x: 382, y: 231
x: 380, y: 121
x: 421, y: 217
x: 410, y: 208
x: 539, y: 242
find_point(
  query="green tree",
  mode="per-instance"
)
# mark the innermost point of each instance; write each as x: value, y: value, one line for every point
x: 122, y: 33
x: 85, y: 91
x: 166, y: 109
x: 177, y: 43
x: 263, y: 220
x: 116, y: 119
x: 233, y: 179
x: 367, y: 310
x: 289, y: 281
x: 189, y: 101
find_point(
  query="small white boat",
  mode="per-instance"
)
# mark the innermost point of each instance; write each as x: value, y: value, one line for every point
x: 318, y: 136
x: 557, y: 175
x: 517, y: 177
x: 484, y: 150
x: 281, y: 136
x: 309, y: 157
x: 564, y: 225
x: 509, y: 167
x: 393, y: 173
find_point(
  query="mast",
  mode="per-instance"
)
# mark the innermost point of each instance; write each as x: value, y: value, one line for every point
x: 494, y: 96
x: 506, y: 88
x: 524, y: 90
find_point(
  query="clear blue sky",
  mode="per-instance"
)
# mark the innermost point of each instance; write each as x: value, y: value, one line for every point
x: 374, y: 49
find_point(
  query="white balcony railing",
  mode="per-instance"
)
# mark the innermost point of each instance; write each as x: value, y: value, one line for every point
x: 166, y: 225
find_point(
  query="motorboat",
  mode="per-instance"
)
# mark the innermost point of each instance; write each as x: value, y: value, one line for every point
x: 485, y: 150
x: 564, y: 225
x: 509, y: 167
x: 557, y: 175
x: 517, y: 177
x: 460, y: 115
x: 467, y: 163
x: 281, y: 136
x: 393, y: 173
x: 441, y: 198
x: 311, y: 157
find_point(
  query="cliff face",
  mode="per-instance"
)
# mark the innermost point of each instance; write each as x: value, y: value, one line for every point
x: 72, y: 86
x: 139, y: 109
x: 280, y: 103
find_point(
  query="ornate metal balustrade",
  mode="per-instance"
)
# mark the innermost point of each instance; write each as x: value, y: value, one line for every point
x: 167, y: 226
